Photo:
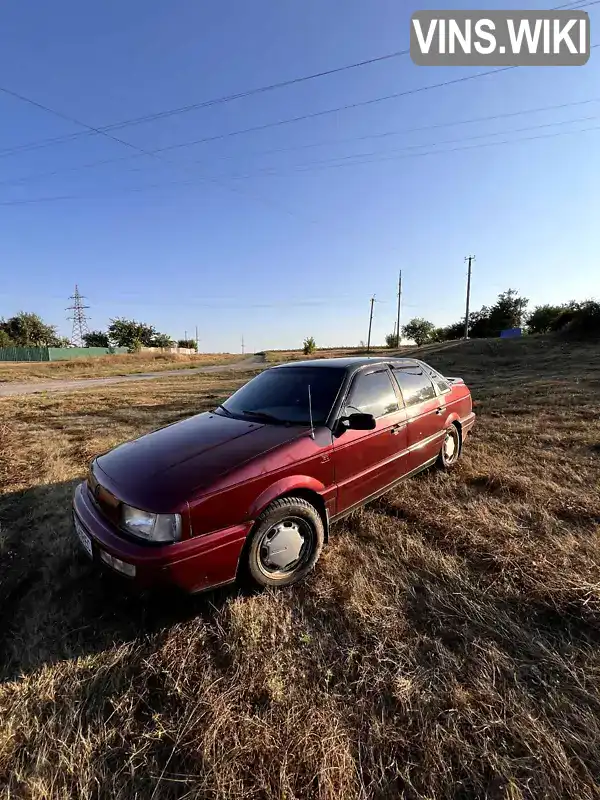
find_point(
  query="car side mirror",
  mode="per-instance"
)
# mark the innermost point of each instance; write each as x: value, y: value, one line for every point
x: 359, y: 422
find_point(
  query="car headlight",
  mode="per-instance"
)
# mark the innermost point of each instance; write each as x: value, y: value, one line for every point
x: 152, y: 527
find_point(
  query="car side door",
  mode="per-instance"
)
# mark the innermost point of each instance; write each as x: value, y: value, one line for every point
x: 365, y: 462
x: 425, y: 414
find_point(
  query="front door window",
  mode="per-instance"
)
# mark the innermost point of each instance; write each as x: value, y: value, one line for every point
x: 372, y: 393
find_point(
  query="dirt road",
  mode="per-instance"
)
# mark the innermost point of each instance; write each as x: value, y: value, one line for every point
x: 11, y: 389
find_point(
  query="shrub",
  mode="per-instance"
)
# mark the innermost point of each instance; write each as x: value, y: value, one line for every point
x: 96, y: 339
x: 309, y: 346
x: 542, y: 318
x: 438, y: 335
x: 135, y: 346
x: 585, y: 321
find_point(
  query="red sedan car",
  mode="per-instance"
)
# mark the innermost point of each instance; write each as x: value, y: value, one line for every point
x: 255, y: 484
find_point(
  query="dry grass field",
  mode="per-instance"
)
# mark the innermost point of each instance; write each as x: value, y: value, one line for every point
x: 279, y: 356
x: 446, y: 646
x: 105, y: 366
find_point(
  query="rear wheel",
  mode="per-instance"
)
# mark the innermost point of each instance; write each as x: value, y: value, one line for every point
x: 286, y: 543
x: 451, y: 447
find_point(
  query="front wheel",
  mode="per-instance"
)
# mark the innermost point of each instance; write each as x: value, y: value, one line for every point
x: 451, y: 448
x: 286, y: 543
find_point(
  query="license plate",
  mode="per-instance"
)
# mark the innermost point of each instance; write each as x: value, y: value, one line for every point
x: 85, y: 540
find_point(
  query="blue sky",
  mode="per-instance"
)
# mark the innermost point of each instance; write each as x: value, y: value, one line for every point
x: 280, y: 245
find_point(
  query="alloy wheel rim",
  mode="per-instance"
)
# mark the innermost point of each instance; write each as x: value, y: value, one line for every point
x: 450, y: 447
x: 285, y: 546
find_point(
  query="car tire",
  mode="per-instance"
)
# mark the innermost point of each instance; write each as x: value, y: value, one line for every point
x: 451, y: 448
x: 286, y: 543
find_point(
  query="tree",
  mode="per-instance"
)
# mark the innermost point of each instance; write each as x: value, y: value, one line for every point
x: 187, y: 343
x: 585, y: 322
x: 580, y: 320
x: 131, y: 334
x: 455, y: 331
x: 162, y: 340
x: 29, y: 330
x: 419, y: 330
x: 392, y: 340
x: 96, y: 339
x: 507, y: 312
x: 566, y: 316
x: 438, y: 335
x: 479, y: 324
x: 5, y: 340
x: 309, y: 345
x: 542, y: 318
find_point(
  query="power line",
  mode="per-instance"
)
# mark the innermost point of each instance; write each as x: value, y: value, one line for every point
x: 428, y: 153
x: 218, y: 100
x: 243, y: 131
x: 269, y: 170
x: 142, y: 189
x: 155, y: 153
x: 326, y: 112
x: 346, y: 107
x: 60, y: 115
x: 383, y: 135
x: 403, y: 131
x: 239, y: 132
x: 193, y: 106
x: 140, y: 150
x: 105, y: 132
x: 575, y: 5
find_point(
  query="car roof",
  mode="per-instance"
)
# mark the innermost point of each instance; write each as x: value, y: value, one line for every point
x: 349, y: 362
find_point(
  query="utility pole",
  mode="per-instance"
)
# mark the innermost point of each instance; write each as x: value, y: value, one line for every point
x: 370, y: 324
x: 470, y: 259
x: 185, y: 335
x: 80, y: 326
x: 398, y: 335
x: 196, y: 338
x: 242, y: 344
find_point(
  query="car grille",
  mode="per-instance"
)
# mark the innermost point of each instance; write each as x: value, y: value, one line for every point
x: 106, y: 502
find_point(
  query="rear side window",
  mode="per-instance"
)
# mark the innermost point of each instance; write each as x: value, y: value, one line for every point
x: 372, y: 393
x: 415, y: 385
x: 439, y: 380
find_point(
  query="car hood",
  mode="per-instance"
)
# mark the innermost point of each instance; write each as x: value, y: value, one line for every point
x: 162, y: 469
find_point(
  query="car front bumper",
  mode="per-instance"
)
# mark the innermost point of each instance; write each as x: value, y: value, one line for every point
x: 192, y: 565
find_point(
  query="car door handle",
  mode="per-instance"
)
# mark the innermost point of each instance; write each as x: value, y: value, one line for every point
x: 439, y: 410
x: 397, y: 428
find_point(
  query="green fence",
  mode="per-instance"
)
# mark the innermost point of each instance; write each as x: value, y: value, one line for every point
x: 56, y: 353
x: 24, y: 354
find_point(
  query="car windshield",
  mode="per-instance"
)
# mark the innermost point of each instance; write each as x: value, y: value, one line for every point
x: 280, y: 395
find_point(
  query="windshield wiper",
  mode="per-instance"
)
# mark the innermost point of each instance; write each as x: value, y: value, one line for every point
x: 226, y: 410
x: 264, y: 415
